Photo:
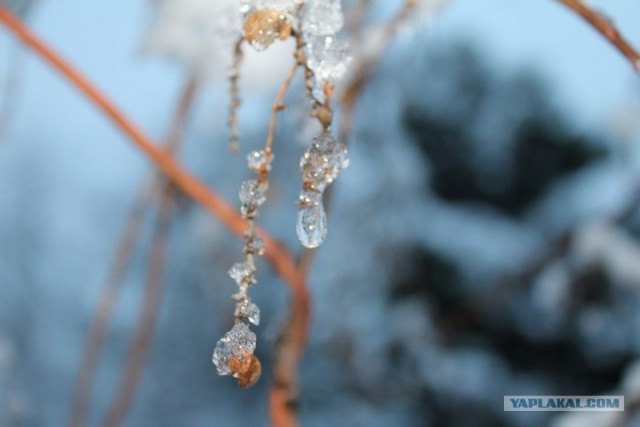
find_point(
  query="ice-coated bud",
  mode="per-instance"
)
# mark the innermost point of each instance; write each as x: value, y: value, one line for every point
x: 234, y: 356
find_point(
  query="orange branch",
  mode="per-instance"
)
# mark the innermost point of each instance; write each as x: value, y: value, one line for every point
x: 290, y: 346
x: 606, y: 28
x: 111, y: 289
x: 187, y: 183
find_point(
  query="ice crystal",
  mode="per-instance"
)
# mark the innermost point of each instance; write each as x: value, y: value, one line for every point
x: 328, y: 58
x: 240, y: 272
x: 234, y: 350
x: 320, y: 165
x: 311, y: 226
x: 251, y: 194
x: 322, y: 17
x: 248, y: 310
x: 258, y: 161
x: 323, y: 161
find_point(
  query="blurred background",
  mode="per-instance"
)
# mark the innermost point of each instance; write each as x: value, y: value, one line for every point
x: 484, y: 241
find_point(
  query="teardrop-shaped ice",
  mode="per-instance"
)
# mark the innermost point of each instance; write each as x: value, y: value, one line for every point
x: 312, y: 225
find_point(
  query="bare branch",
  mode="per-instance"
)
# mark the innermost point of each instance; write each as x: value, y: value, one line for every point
x: 126, y: 246
x: 278, y: 256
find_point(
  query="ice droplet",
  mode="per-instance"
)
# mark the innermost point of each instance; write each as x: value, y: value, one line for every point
x: 259, y: 160
x: 323, y: 161
x: 252, y: 194
x: 312, y: 224
x: 234, y: 350
x: 249, y: 311
x: 240, y: 271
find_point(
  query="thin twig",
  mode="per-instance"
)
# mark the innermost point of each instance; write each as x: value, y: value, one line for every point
x: 113, y: 285
x: 291, y: 344
x: 605, y: 27
x: 235, y: 101
x: 285, y: 394
x: 350, y: 99
x: 143, y: 336
x: 278, y: 106
x: 276, y: 253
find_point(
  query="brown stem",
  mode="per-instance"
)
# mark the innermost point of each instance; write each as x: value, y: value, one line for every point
x: 276, y: 254
x: 606, y: 28
x: 285, y: 394
x: 290, y: 347
x: 235, y: 100
x: 278, y: 106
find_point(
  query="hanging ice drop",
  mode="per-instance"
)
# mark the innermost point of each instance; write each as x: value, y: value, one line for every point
x: 312, y: 224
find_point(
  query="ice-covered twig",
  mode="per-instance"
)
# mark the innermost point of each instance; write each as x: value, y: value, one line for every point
x: 194, y: 189
x: 353, y: 89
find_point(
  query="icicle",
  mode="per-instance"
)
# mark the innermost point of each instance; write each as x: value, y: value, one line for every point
x: 311, y: 227
x: 320, y: 166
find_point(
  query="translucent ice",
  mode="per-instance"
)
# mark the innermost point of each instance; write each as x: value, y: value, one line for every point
x: 322, y: 17
x: 328, y: 58
x: 234, y: 350
x: 311, y: 226
x: 249, y: 311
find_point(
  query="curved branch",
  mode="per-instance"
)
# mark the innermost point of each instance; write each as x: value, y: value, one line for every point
x: 187, y: 183
x: 122, y: 259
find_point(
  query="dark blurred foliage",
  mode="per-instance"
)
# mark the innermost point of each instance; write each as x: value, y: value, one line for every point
x: 541, y: 146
